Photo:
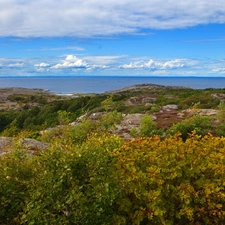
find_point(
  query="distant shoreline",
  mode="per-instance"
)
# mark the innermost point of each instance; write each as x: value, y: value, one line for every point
x: 21, y: 90
x: 109, y: 76
x: 101, y: 84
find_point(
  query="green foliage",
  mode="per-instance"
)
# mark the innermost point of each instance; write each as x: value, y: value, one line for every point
x: 103, y: 180
x: 107, y: 103
x: 74, y: 186
x: 78, y: 133
x: 41, y: 111
x: 12, y: 130
x: 5, y: 119
x: 109, y: 120
x: 147, y: 128
x: 90, y: 176
x: 70, y: 134
x: 221, y: 113
x: 15, y: 174
x: 23, y: 98
x: 63, y: 117
x: 220, y: 128
x: 203, y: 99
x: 201, y: 124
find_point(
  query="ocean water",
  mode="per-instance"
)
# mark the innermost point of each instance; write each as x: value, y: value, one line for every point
x: 66, y: 85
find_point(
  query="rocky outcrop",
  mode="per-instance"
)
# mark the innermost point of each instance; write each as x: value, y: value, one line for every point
x: 128, y: 122
x: 170, y: 107
x: 219, y: 96
x: 145, y: 86
x: 8, y: 144
x: 202, y: 112
x: 140, y: 100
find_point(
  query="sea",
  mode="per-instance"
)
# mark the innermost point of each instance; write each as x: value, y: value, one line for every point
x: 96, y: 84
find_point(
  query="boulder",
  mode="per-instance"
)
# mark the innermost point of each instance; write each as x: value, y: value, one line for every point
x: 128, y: 122
x: 8, y: 144
x: 170, y: 107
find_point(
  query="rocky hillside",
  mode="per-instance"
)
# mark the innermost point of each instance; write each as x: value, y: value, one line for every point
x: 36, y: 110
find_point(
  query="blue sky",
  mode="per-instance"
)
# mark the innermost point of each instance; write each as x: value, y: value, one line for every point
x: 125, y: 38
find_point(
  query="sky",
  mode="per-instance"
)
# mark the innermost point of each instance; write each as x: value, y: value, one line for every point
x: 112, y: 38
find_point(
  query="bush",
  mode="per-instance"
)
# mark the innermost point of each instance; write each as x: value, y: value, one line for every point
x: 220, y: 128
x: 74, y: 185
x: 171, y: 181
x: 201, y: 125
x: 100, y: 179
x: 147, y: 128
x: 110, y: 119
x: 15, y: 175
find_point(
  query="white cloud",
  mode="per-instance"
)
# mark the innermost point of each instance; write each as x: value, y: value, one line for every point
x: 42, y: 65
x: 219, y: 70
x: 71, y: 61
x: 160, y: 65
x: 75, y: 48
x: 97, y: 67
x: 12, y: 63
x: 19, y: 65
x: 40, y: 70
x: 99, y: 17
x: 111, y: 65
x: 88, y: 63
x: 103, y: 59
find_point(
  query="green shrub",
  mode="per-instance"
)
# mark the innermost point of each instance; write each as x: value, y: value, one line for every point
x: 201, y: 125
x: 105, y: 180
x: 74, y: 185
x: 110, y: 119
x: 147, y: 128
x: 15, y: 175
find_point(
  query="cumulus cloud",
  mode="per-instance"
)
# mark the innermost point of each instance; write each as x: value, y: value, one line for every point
x: 71, y: 61
x: 98, y: 17
x: 111, y: 64
x: 42, y: 67
x: 159, y: 65
x: 87, y: 63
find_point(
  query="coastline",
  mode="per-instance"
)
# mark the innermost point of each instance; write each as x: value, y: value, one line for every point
x: 98, y: 85
x: 22, y: 90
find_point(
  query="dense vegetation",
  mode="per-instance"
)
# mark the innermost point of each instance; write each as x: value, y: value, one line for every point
x: 94, y: 177
x: 89, y: 175
x: 38, y: 113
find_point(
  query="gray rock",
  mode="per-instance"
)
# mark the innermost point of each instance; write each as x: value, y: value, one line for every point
x: 220, y: 96
x: 207, y: 112
x: 95, y: 116
x: 170, y: 107
x: 8, y: 144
